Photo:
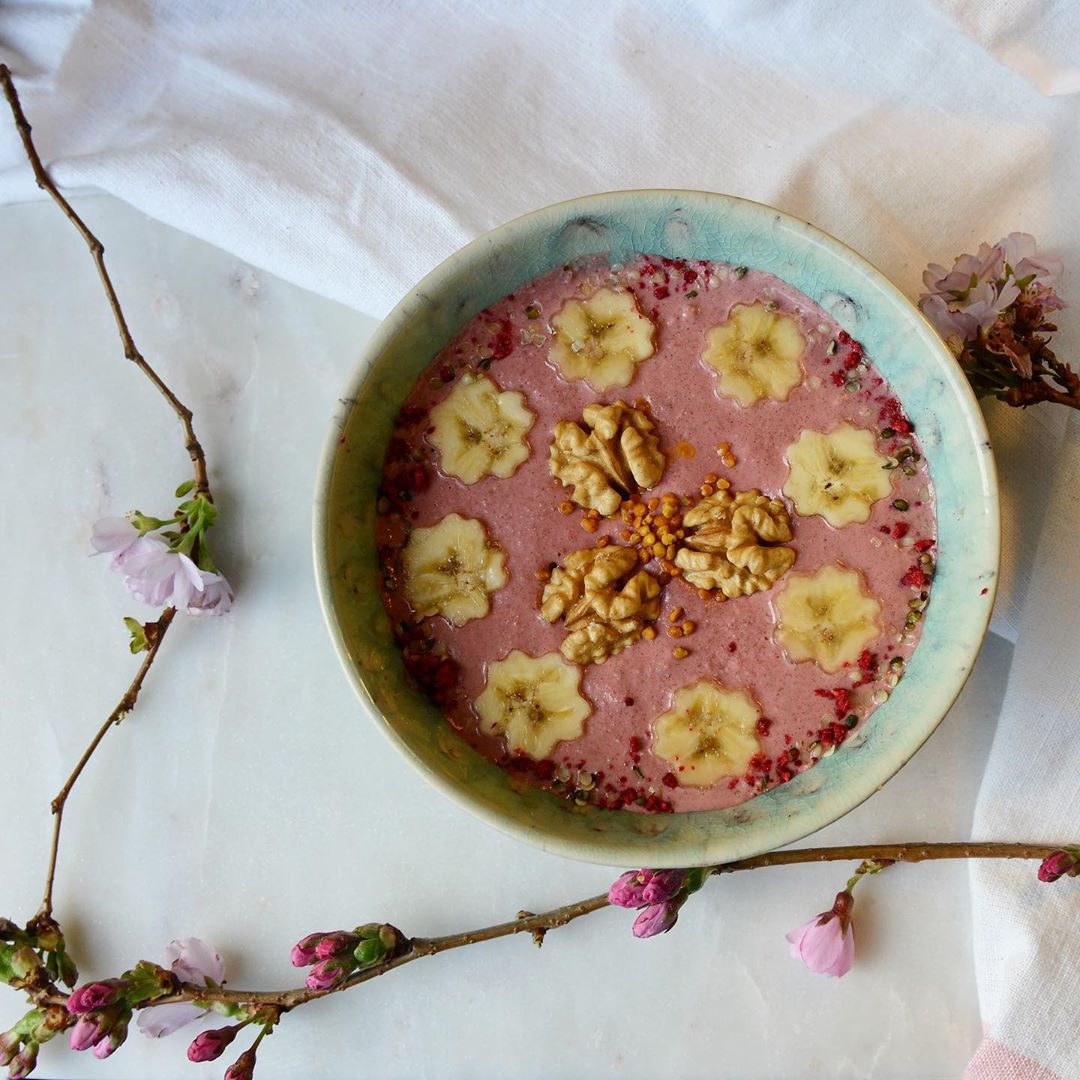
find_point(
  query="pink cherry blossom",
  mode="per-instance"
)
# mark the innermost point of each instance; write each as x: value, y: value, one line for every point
x: 826, y: 944
x: 113, y: 536
x: 1021, y: 254
x: 192, y: 961
x: 965, y: 302
x: 157, y: 575
x: 215, y: 597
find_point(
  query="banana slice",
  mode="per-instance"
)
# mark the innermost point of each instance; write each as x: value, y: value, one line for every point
x: 480, y: 430
x: 709, y: 733
x: 826, y: 617
x: 601, y: 339
x: 756, y: 354
x: 839, y: 475
x: 451, y: 567
x: 535, y: 702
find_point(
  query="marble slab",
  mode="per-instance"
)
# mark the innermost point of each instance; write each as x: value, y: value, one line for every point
x: 249, y: 800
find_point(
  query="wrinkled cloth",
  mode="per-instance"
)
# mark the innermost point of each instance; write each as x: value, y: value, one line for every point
x: 350, y: 147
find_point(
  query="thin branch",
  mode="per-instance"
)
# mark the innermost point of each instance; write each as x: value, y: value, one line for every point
x: 97, y: 250
x: 155, y: 635
x: 418, y: 948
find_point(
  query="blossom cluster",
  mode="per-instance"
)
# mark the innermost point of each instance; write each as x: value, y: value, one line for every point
x: 993, y: 310
x: 967, y: 300
x: 334, y: 955
x: 657, y: 894
x: 166, y: 562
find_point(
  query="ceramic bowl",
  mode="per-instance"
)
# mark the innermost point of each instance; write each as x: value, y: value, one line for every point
x: 684, y: 225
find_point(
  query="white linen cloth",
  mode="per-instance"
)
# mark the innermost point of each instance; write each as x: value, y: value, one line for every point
x: 350, y: 147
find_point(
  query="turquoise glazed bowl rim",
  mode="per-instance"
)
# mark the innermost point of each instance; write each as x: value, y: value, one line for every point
x: 677, y: 224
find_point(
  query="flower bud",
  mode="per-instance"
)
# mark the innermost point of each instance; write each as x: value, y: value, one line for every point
x: 303, y: 952
x: 114, y: 1039
x: 341, y: 941
x: 36, y: 1025
x: 662, y: 885
x: 1059, y: 864
x: 328, y: 973
x: 88, y: 1031
x: 243, y: 1068
x: 69, y: 973
x: 95, y: 995
x: 23, y: 1063
x: 210, y: 1045
x: 10, y: 1042
x: 54, y: 1019
x: 627, y: 890
x: 47, y: 932
x: 369, y: 952
x: 391, y: 937
x: 656, y: 919
x: 24, y: 961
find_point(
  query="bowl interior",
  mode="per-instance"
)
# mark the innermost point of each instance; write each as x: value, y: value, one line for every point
x: 690, y: 225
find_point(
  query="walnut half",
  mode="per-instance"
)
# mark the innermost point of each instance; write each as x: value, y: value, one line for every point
x: 727, y: 543
x: 604, y: 601
x: 611, y: 454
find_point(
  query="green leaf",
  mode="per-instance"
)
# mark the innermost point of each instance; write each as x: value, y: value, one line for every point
x: 138, y: 641
x: 184, y: 488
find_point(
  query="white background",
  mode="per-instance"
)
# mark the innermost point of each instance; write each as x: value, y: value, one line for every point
x: 249, y: 799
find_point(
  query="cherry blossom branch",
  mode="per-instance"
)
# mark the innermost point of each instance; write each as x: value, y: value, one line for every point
x: 155, y: 631
x: 155, y: 634
x: 97, y: 251
x: 538, y: 925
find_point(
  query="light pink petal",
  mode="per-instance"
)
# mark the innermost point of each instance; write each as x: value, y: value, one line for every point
x: 194, y: 575
x: 933, y: 276
x: 215, y: 599
x: 1046, y: 268
x: 1017, y: 246
x: 113, y: 534
x: 948, y: 323
x: 163, y: 1020
x: 154, y: 593
x: 824, y: 945
x: 150, y: 559
x: 192, y: 960
x: 846, y: 960
x: 1007, y: 296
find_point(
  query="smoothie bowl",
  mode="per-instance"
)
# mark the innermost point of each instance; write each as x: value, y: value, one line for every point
x: 657, y: 528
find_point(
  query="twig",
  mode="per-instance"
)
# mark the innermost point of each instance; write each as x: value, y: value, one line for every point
x: 418, y: 948
x: 97, y: 250
x: 191, y: 444
x: 155, y: 635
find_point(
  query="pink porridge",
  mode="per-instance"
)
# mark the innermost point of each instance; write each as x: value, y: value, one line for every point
x: 655, y: 536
